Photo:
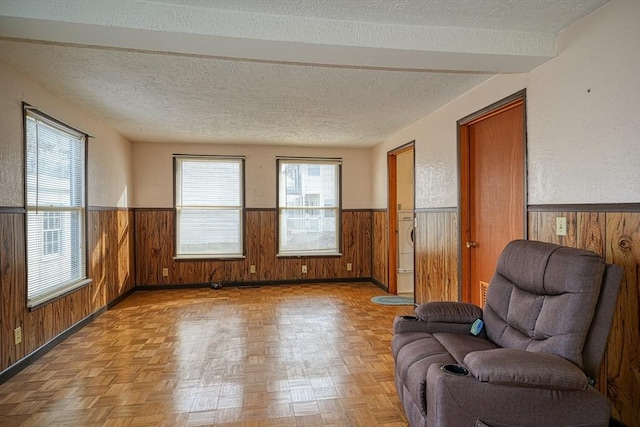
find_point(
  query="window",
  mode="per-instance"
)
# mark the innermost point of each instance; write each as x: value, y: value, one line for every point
x: 308, y: 222
x: 51, y: 233
x: 55, y: 205
x: 209, y: 201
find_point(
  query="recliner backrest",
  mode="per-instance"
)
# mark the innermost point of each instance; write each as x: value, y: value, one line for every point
x: 543, y: 297
x: 596, y: 342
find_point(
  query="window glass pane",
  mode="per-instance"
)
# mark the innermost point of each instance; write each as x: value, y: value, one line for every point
x: 304, y: 185
x: 54, y: 260
x: 209, y: 231
x: 297, y: 185
x: 306, y: 230
x: 209, y: 206
x: 55, y: 178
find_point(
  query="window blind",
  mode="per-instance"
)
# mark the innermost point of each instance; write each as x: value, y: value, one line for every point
x: 55, y: 205
x: 209, y: 206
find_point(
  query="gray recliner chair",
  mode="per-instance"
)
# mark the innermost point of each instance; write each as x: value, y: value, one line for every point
x: 547, y: 317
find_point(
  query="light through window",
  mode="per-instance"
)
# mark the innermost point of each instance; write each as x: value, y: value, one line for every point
x: 55, y: 204
x: 308, y: 206
x: 51, y: 233
x: 209, y: 202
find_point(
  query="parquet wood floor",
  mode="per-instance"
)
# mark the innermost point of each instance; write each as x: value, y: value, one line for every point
x: 305, y: 355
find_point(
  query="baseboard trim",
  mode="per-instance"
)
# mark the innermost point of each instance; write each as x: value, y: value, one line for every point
x: 35, y: 355
x: 171, y: 286
x: 121, y: 298
x: 255, y: 283
x: 380, y: 284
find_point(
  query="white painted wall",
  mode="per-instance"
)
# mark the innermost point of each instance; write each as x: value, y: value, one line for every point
x: 435, y: 136
x: 153, y: 172
x: 109, y: 161
x: 584, y: 112
x: 404, y: 176
x: 583, y: 147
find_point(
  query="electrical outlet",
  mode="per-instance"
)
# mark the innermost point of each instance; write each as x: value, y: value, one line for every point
x: 165, y: 272
x: 304, y: 269
x: 561, y: 226
x: 349, y: 266
x: 252, y: 269
x: 17, y: 335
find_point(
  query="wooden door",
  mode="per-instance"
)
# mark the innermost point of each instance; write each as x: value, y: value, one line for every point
x: 492, y: 148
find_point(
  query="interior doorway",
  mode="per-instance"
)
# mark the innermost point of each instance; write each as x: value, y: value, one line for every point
x: 401, y: 174
x: 492, y: 189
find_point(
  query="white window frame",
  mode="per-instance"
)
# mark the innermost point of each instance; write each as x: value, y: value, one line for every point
x: 336, y: 207
x: 44, y: 281
x: 180, y: 206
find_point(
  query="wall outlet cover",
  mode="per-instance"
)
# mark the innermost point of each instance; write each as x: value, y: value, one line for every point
x: 561, y: 226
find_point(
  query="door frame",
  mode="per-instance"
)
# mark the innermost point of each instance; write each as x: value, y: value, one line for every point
x: 392, y: 205
x: 464, y: 258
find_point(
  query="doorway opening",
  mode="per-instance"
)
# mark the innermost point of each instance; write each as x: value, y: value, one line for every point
x: 401, y: 175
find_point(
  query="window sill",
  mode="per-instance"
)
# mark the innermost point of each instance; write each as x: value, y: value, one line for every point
x: 209, y: 257
x: 310, y: 255
x: 37, y: 302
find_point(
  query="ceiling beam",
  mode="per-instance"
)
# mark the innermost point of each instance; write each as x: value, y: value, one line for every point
x: 177, y: 29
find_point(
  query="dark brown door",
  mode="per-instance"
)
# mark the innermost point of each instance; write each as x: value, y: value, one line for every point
x: 492, y: 147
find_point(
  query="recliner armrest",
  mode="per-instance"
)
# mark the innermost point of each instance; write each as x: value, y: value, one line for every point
x: 448, y: 312
x: 442, y: 316
x: 522, y: 368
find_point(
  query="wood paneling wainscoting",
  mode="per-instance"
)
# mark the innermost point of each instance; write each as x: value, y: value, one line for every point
x: 380, y: 248
x: 436, y: 255
x: 111, y: 253
x: 614, y: 233
x: 155, y: 243
x: 110, y: 261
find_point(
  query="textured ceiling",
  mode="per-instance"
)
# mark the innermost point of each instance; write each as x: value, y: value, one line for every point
x: 548, y: 16
x: 314, y: 72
